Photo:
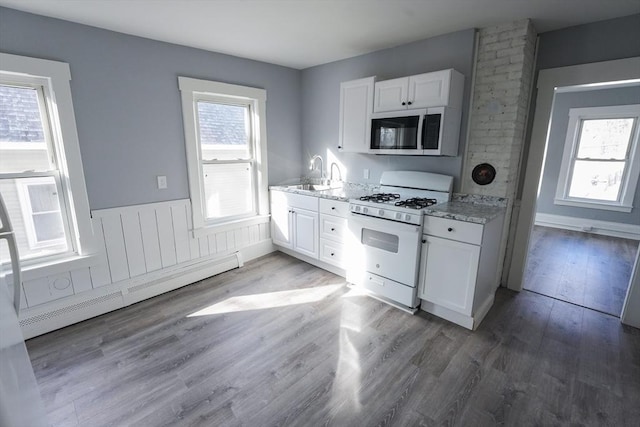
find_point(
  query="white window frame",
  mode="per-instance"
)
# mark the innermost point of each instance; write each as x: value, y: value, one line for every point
x: 194, y: 90
x: 54, y: 77
x: 572, y: 140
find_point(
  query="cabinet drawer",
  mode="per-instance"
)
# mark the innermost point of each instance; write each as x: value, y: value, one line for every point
x: 333, y: 227
x: 294, y: 200
x: 468, y: 232
x: 390, y: 289
x: 334, y: 207
x: 332, y: 252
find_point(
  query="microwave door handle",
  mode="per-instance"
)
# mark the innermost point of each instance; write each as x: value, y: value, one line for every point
x: 420, y: 144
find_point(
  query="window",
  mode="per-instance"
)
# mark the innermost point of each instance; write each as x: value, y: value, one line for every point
x: 226, y: 151
x: 600, y: 162
x: 41, y: 177
x: 43, y: 217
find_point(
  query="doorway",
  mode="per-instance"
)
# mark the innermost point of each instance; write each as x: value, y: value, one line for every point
x: 548, y: 81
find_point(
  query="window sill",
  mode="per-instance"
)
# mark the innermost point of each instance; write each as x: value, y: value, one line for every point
x: 593, y: 205
x: 59, y: 265
x: 229, y: 225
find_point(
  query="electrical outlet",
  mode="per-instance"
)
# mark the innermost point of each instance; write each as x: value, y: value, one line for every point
x: 162, y: 182
x: 365, y: 173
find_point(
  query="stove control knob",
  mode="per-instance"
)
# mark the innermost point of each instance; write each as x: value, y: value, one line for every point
x: 365, y: 210
x: 398, y: 215
x: 357, y: 208
x: 407, y: 217
x: 380, y: 212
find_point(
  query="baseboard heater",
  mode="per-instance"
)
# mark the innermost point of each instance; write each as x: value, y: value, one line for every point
x: 66, y: 312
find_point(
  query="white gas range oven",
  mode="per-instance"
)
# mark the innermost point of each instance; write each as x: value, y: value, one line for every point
x: 386, y: 234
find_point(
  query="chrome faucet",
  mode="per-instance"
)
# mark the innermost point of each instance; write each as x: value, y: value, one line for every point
x: 339, y: 172
x: 312, y: 164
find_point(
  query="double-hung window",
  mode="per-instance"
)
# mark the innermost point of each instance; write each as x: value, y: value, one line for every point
x: 601, y: 159
x: 41, y: 177
x: 226, y: 151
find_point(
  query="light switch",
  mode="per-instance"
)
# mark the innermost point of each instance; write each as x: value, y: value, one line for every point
x: 162, y: 182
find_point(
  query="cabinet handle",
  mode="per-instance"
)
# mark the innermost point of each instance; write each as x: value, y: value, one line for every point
x: 404, y: 103
x: 409, y: 103
x: 333, y: 208
x: 339, y: 147
x: 424, y: 240
x: 449, y: 229
x: 333, y: 229
x: 332, y: 253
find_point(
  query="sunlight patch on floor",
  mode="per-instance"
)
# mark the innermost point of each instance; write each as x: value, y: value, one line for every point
x: 268, y: 300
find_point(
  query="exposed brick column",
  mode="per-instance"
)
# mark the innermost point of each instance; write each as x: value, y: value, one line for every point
x: 504, y: 71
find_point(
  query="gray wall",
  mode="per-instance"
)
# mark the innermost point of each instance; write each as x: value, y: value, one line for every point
x: 599, y: 41
x: 321, y: 99
x: 596, y: 42
x: 128, y: 110
x: 557, y: 134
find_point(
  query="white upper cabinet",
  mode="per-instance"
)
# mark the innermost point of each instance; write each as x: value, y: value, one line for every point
x: 356, y: 106
x: 391, y: 95
x: 436, y: 89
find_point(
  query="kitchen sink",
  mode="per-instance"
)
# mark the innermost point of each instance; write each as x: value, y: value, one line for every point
x: 310, y: 187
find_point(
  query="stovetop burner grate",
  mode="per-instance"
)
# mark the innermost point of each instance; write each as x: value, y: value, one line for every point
x: 380, y: 197
x: 416, y: 203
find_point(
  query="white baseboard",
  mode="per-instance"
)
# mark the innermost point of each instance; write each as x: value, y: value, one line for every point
x: 447, y: 314
x: 76, y: 308
x: 605, y: 228
x: 316, y: 262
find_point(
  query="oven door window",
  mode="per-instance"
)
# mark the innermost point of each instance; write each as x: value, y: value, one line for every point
x: 377, y: 239
x: 399, y: 133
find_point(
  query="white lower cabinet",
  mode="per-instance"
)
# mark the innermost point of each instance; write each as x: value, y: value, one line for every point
x: 333, y: 229
x: 305, y: 232
x: 311, y: 226
x: 294, y: 222
x: 450, y: 272
x: 459, y: 266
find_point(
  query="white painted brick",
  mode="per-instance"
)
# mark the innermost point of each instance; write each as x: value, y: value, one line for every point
x: 488, y: 38
x: 513, y: 51
x: 497, y: 46
x: 492, y: 78
x: 487, y: 55
x: 498, y: 62
x: 516, y: 58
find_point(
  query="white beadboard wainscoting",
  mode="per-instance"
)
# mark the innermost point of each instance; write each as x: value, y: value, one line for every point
x: 148, y: 250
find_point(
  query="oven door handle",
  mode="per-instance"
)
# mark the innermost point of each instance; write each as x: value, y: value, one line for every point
x: 383, y: 225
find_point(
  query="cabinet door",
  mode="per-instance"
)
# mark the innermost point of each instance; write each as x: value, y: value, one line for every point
x: 390, y: 95
x: 429, y: 89
x: 305, y: 232
x: 281, y: 227
x: 356, y: 105
x: 449, y: 271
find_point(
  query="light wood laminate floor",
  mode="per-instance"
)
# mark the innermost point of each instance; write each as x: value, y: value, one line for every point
x: 280, y: 342
x: 582, y: 268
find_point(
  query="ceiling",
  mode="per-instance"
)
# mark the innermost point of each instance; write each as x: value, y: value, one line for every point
x: 304, y: 33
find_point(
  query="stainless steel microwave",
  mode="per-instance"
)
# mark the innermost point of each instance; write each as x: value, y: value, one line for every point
x: 427, y: 131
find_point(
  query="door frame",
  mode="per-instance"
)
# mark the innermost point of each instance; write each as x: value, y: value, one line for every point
x: 548, y: 80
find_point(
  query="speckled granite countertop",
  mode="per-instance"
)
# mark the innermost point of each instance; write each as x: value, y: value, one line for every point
x: 462, y: 207
x: 348, y: 191
x: 470, y: 208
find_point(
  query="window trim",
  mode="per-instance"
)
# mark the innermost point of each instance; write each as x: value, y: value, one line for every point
x: 632, y: 168
x: 55, y: 78
x: 191, y: 91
